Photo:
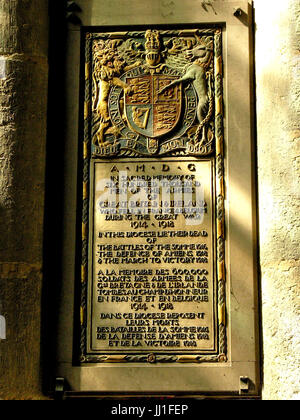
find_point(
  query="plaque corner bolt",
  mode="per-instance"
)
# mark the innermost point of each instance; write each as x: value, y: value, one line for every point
x: 237, y: 11
x: 60, y: 388
x: 72, y: 9
x: 72, y: 6
x: 244, y: 385
x: 73, y: 18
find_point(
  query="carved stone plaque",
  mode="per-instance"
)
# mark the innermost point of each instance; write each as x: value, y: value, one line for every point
x: 153, y: 278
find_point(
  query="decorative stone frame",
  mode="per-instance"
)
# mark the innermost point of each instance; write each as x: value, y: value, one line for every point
x: 237, y: 197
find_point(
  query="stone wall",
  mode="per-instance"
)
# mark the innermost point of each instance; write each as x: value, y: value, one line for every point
x: 278, y: 141
x: 23, y: 110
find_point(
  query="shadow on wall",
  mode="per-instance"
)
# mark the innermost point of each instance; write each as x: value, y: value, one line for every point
x: 54, y: 197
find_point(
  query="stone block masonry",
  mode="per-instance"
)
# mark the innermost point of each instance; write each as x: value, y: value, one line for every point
x: 23, y: 112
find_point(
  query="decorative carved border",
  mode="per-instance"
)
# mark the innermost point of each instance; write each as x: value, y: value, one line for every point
x: 219, y: 133
x: 85, y: 196
x: 220, y: 219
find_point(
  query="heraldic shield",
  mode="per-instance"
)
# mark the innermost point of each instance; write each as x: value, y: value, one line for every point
x: 150, y: 110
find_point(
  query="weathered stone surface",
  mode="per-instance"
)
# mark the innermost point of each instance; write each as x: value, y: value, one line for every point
x: 23, y: 108
x: 20, y: 352
x: 22, y: 27
x: 278, y: 111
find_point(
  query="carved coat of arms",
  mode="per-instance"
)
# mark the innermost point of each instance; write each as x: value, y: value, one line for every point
x: 153, y: 93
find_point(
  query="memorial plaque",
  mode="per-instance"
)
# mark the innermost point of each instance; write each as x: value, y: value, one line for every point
x: 151, y: 283
x: 159, y: 275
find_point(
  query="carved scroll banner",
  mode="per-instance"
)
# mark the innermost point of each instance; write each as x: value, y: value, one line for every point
x: 153, y: 266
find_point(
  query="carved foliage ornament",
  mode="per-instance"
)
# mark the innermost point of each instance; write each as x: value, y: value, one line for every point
x: 152, y: 93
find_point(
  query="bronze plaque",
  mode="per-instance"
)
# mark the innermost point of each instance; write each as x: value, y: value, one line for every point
x: 153, y: 277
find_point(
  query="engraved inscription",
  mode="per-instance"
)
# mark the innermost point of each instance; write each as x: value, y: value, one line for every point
x: 152, y: 285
